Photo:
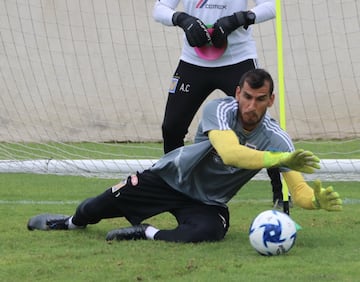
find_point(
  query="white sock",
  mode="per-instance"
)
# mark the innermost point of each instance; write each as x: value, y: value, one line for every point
x: 150, y: 232
x: 71, y: 225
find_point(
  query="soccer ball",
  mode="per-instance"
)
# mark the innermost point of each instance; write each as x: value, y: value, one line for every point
x: 272, y: 233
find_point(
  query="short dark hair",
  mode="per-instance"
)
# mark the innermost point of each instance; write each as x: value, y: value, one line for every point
x: 256, y: 78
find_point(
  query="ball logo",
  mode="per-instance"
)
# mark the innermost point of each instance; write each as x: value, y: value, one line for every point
x: 272, y: 233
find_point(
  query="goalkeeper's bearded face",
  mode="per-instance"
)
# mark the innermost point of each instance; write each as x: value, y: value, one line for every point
x: 253, y: 104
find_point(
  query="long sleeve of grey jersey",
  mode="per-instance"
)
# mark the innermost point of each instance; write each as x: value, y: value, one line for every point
x: 164, y: 10
x: 264, y: 10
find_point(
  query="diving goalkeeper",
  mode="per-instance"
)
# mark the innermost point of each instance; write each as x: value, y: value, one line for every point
x: 236, y: 138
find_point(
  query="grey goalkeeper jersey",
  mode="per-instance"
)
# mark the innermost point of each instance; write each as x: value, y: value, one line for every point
x: 197, y: 170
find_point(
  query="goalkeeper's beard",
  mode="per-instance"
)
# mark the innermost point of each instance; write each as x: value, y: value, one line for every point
x: 250, y: 120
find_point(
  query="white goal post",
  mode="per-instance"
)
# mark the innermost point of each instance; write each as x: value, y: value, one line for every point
x: 98, y: 71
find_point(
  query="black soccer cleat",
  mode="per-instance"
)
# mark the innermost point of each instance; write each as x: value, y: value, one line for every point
x: 48, y: 222
x: 135, y: 232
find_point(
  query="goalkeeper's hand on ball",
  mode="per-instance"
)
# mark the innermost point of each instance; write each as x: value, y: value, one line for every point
x: 326, y: 198
x: 299, y: 160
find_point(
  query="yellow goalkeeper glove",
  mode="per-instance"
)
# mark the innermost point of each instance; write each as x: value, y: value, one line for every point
x: 300, y: 160
x: 326, y: 198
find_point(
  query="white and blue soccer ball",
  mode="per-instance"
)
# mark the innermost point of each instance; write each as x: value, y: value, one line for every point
x: 272, y: 233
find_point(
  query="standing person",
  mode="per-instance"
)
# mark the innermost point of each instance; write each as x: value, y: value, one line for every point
x: 195, y: 78
x: 194, y: 183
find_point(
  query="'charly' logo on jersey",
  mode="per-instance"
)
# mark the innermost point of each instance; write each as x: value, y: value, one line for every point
x: 201, y: 3
x: 205, y: 4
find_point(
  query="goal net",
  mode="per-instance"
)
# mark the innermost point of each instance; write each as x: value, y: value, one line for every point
x: 79, y: 80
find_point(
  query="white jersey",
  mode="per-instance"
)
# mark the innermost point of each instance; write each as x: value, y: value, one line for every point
x: 241, y: 45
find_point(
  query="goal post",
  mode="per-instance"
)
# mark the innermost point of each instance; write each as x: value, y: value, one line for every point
x: 79, y: 79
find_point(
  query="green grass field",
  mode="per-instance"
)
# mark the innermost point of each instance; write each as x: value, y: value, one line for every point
x: 326, y: 249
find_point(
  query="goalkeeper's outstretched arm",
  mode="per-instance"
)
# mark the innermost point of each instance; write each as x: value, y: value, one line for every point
x: 312, y: 198
x: 233, y: 153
